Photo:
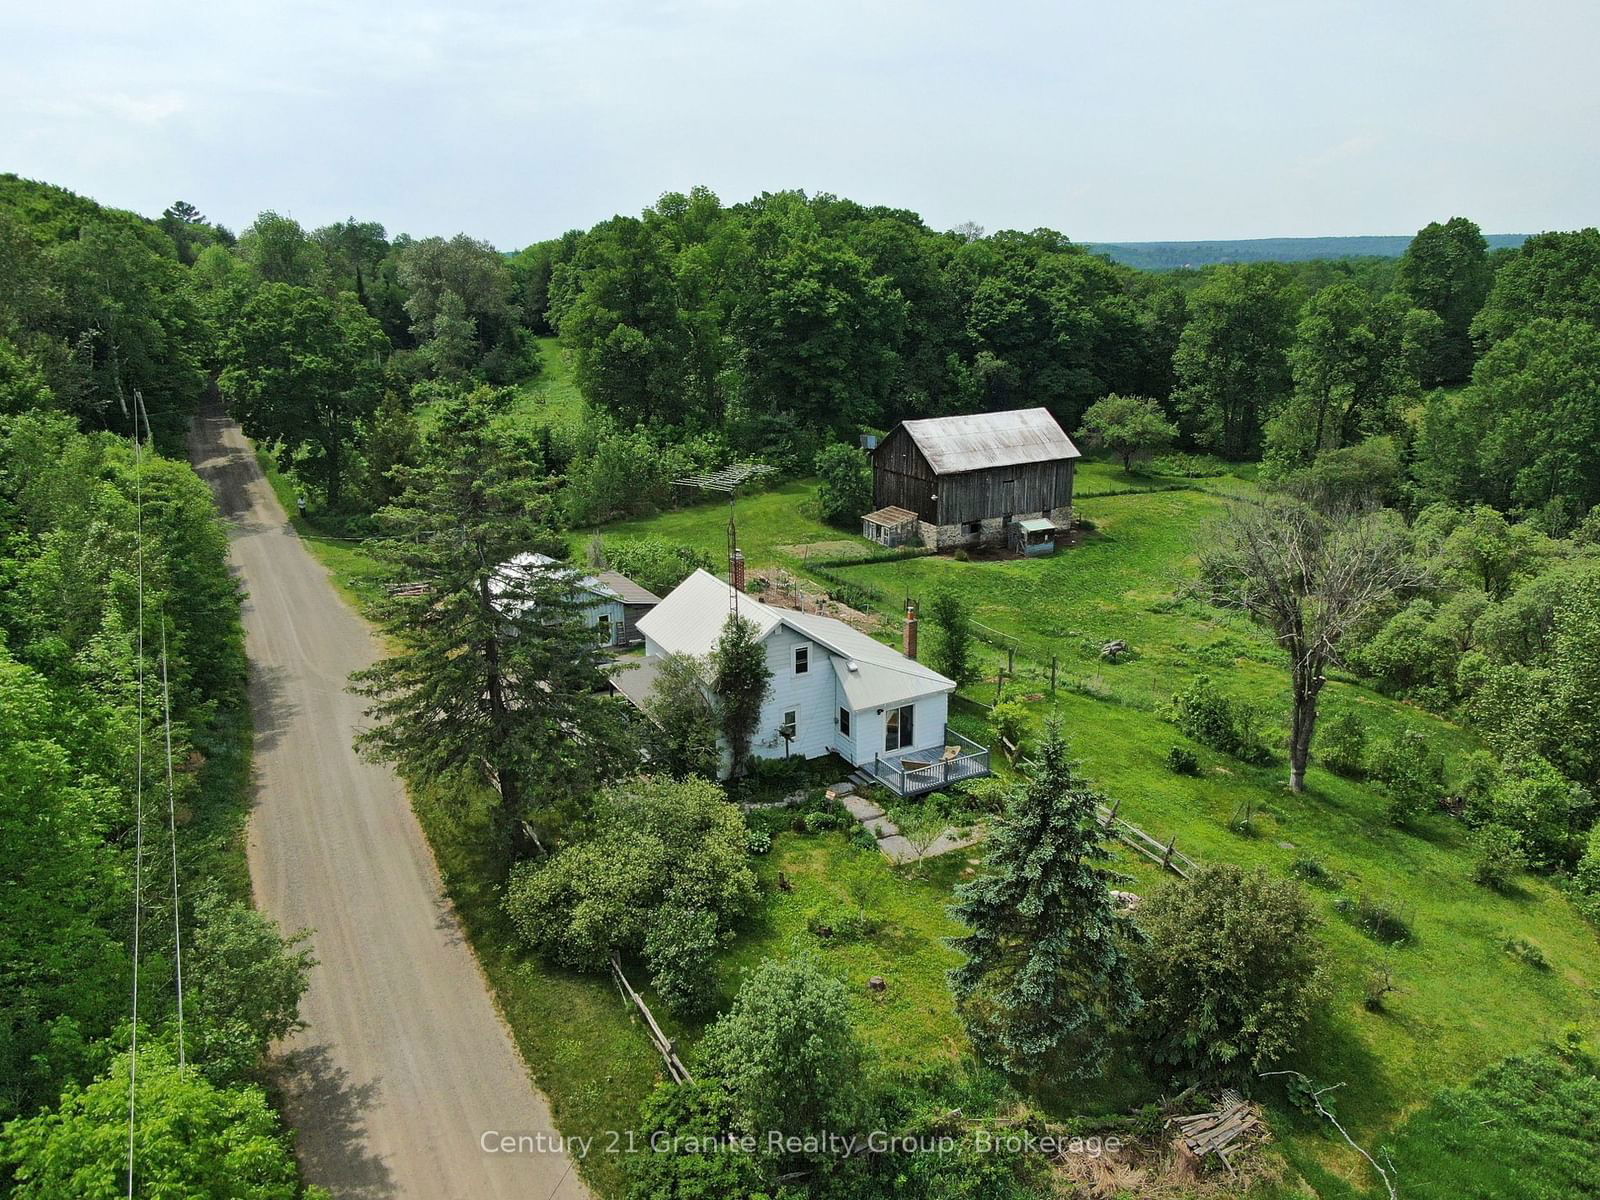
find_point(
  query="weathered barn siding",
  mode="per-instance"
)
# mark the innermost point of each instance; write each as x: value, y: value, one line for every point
x: 901, y: 476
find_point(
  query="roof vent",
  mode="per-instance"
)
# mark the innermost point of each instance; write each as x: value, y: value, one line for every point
x: 852, y: 665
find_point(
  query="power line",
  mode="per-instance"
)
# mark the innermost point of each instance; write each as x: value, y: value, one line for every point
x: 138, y: 789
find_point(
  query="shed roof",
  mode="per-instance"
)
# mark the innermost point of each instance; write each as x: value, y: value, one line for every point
x: 978, y: 441
x: 626, y: 589
x: 1037, y: 525
x: 892, y: 517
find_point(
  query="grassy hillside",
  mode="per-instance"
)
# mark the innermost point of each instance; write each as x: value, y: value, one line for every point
x: 1463, y: 1001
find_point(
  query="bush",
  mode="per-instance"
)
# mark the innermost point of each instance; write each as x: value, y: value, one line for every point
x: 1529, y: 795
x: 1010, y: 719
x: 844, y: 487
x: 1409, y: 773
x: 1231, y: 971
x: 657, y: 846
x: 787, y: 1051
x: 838, y: 922
x: 679, y: 948
x: 1218, y: 721
x: 1525, y: 952
x: 952, y: 649
x: 1183, y: 761
x: 654, y: 563
x: 1378, y: 919
x: 1341, y: 742
x: 1311, y: 870
x: 1188, y: 466
x: 759, y: 841
x: 1497, y: 856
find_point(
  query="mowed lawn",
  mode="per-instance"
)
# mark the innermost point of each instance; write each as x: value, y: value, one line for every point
x: 1462, y: 1001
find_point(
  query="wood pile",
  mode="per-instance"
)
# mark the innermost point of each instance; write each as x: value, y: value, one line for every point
x: 1234, y: 1127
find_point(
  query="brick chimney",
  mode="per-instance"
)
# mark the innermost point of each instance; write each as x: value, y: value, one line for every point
x: 911, y: 629
x: 736, y: 571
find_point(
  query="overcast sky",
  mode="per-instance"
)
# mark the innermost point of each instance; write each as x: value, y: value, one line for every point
x: 1118, y: 120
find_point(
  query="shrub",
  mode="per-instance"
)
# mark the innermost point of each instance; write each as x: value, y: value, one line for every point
x: 1532, y: 797
x: 1341, y: 742
x: 679, y: 948
x: 1525, y: 952
x: 838, y: 922
x: 1586, y: 879
x: 1231, y: 971
x: 1216, y: 720
x: 653, y: 562
x: 758, y: 841
x: 1188, y: 466
x: 1497, y: 856
x: 961, y: 555
x: 787, y: 1050
x: 1378, y: 919
x: 1010, y: 719
x: 1410, y: 774
x: 1183, y: 761
x: 1311, y: 870
x: 656, y: 845
x: 952, y: 649
x: 844, y: 487
x: 1377, y: 987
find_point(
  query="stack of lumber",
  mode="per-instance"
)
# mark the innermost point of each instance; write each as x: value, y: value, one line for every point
x: 1231, y: 1128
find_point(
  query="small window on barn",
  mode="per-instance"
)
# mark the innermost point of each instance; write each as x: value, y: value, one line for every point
x: 974, y: 526
x: 802, y: 659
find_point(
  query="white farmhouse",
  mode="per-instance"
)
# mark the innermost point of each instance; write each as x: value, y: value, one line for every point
x: 834, y: 689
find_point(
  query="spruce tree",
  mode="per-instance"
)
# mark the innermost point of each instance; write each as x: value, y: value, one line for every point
x: 1047, y: 976
x: 493, y: 666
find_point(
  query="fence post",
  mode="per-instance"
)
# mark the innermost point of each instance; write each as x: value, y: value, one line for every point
x: 1011, y: 660
x: 1052, y: 674
x: 1166, y: 859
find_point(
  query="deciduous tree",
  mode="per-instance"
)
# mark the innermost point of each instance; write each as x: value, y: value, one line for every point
x: 1128, y: 425
x: 1310, y: 568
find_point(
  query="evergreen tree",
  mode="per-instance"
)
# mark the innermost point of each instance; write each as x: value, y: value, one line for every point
x: 493, y: 664
x: 741, y: 680
x: 1046, y: 975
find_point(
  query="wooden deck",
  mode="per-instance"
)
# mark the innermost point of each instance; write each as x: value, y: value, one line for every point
x: 917, y: 772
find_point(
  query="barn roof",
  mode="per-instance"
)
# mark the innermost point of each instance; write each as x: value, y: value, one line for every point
x: 978, y: 441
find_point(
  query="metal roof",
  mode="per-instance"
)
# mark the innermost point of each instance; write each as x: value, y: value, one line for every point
x: 978, y: 441
x: 691, y: 618
x: 626, y: 589
x: 891, y: 517
x: 1037, y: 525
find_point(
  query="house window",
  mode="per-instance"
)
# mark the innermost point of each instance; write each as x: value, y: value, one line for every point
x: 898, y: 728
x: 844, y: 722
x: 802, y: 659
x: 790, y: 724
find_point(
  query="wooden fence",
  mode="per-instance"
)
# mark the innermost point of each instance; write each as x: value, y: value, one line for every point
x: 665, y: 1046
x: 1167, y: 854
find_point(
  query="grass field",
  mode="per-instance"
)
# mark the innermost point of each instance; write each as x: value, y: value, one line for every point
x: 1463, y: 1002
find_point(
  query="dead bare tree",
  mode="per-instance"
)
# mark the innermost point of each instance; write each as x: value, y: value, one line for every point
x: 1310, y: 567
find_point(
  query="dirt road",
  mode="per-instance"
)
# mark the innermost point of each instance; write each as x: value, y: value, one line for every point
x: 404, y: 1067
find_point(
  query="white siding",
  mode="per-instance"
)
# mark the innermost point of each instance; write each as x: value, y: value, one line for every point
x: 812, y: 695
x: 928, y: 726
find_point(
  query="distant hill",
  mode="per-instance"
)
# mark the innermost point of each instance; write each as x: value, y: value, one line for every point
x: 1165, y: 256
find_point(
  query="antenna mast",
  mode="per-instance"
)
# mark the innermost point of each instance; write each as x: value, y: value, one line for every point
x: 727, y: 482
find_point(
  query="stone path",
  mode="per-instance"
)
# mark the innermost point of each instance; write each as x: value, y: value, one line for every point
x: 893, y: 844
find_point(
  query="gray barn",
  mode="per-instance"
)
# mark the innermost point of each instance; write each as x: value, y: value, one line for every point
x: 967, y: 478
